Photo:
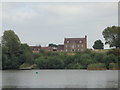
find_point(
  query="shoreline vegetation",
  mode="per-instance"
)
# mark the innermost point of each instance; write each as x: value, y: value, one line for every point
x: 19, y: 56
x: 87, y: 60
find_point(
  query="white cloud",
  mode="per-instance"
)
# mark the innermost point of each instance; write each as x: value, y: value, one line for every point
x: 17, y: 13
x: 62, y: 9
x: 52, y: 22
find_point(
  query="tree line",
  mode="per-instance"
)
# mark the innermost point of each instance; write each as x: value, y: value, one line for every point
x: 15, y: 54
x: 111, y: 36
x: 88, y: 59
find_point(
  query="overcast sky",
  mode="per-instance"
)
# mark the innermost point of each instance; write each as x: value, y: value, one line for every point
x: 44, y: 23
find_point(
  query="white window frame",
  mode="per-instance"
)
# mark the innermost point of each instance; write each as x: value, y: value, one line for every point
x: 82, y: 45
x: 80, y: 41
x: 67, y: 41
x: 73, y: 46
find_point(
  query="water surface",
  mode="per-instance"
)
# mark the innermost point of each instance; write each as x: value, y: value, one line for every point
x: 59, y: 79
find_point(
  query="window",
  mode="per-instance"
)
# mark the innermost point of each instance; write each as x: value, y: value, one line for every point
x: 78, y: 45
x: 67, y: 41
x: 82, y: 45
x: 72, y: 46
x: 80, y: 41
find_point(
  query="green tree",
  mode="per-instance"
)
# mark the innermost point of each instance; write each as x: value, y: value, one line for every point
x: 98, y: 44
x: 85, y: 60
x: 112, y: 36
x: 68, y: 60
x: 99, y: 57
x: 11, y: 41
x: 52, y: 45
x: 111, y: 58
x: 10, y: 50
x: 26, y: 55
x: 4, y: 57
x: 49, y: 63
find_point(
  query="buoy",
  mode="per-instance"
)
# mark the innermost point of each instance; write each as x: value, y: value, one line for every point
x: 36, y: 72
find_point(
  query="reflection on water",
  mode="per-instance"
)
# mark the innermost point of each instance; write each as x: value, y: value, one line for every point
x: 59, y: 79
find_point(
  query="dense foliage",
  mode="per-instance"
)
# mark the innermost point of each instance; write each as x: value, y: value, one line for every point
x: 52, y: 45
x: 98, y: 44
x: 81, y: 60
x: 96, y: 66
x: 14, y: 53
x: 112, y: 36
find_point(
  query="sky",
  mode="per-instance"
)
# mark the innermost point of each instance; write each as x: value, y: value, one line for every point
x: 43, y: 23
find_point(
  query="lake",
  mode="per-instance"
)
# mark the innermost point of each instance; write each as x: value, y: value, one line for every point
x: 59, y: 79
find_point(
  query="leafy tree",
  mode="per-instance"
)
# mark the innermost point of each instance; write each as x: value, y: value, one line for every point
x: 49, y: 63
x: 36, y: 55
x: 85, y: 60
x: 98, y: 44
x: 10, y: 50
x: 99, y: 57
x: 52, y: 45
x: 11, y: 41
x: 112, y: 36
x: 110, y: 59
x: 0, y: 56
x: 26, y: 54
x: 68, y: 60
x: 13, y: 52
x: 55, y: 63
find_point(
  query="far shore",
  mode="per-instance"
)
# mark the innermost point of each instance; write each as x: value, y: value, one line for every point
x: 62, y: 69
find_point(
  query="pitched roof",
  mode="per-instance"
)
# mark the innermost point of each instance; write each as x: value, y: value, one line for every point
x: 60, y: 47
x: 47, y: 48
x: 74, y: 40
x: 37, y: 47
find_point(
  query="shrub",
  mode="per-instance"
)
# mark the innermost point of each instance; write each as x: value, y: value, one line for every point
x: 49, y: 63
x: 69, y: 60
x: 113, y: 66
x: 96, y: 66
x: 74, y: 66
x: 110, y: 59
x: 114, y: 51
x: 85, y: 60
x: 87, y: 51
x: 50, y: 53
x: 36, y: 55
x: 99, y: 57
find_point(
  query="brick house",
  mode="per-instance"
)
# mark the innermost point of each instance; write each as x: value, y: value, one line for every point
x: 75, y: 44
x: 60, y: 48
x: 47, y: 48
x: 35, y: 49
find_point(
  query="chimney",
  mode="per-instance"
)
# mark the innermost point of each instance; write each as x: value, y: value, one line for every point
x: 85, y: 36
